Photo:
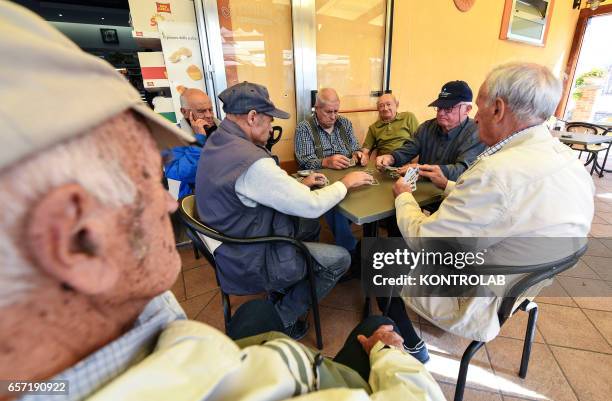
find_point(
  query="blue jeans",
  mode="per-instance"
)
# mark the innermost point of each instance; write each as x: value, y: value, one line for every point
x: 341, y: 228
x: 330, y: 263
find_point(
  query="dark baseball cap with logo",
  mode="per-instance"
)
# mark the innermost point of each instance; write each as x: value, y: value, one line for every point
x: 246, y: 96
x: 452, y: 93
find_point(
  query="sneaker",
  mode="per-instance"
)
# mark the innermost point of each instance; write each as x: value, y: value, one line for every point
x: 297, y: 330
x: 419, y: 352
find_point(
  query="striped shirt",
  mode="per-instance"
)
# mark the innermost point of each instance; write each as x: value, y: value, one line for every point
x: 332, y: 144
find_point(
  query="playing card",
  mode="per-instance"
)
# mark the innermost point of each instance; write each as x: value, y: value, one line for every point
x: 391, y: 168
x: 375, y: 182
x: 352, y: 163
x: 412, y: 175
x: 368, y: 171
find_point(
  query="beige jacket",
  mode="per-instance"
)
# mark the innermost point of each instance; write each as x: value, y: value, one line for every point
x: 193, y: 362
x: 533, y: 187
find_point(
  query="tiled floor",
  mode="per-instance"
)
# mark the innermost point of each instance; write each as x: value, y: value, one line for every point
x: 572, y: 355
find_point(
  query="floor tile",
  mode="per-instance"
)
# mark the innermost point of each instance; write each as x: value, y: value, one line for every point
x: 555, y: 294
x: 544, y: 377
x: 469, y: 394
x: 336, y: 325
x: 199, y: 280
x: 195, y: 305
x: 516, y: 326
x: 601, y: 266
x: 587, y: 293
x: 581, y: 270
x: 601, y: 230
x: 605, y: 216
x: 188, y: 259
x: 178, y: 288
x: 607, y: 242
x: 597, y: 247
x: 347, y: 295
x: 599, y: 220
x: 588, y: 372
x: 446, y: 350
x: 602, y: 321
x: 569, y: 327
x: 602, y: 207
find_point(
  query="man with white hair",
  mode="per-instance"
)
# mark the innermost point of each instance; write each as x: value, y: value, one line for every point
x: 445, y: 145
x: 198, y: 117
x: 326, y: 140
x: 513, y: 190
x: 390, y: 131
x: 87, y: 255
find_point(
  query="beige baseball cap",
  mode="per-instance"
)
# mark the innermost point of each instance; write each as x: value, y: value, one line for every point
x: 50, y: 90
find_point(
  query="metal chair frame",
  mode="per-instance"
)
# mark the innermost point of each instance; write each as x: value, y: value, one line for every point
x: 592, y: 158
x: 195, y: 226
x: 533, y: 275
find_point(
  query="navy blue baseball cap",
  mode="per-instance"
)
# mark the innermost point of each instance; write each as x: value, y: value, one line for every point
x: 452, y: 93
x: 246, y: 96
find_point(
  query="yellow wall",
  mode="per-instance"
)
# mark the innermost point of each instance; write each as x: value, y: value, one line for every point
x: 433, y: 43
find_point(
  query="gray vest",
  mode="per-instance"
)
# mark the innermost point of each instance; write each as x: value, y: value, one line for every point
x: 243, y: 269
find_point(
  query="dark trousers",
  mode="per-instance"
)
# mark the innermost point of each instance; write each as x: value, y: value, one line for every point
x: 396, y: 310
x: 259, y: 316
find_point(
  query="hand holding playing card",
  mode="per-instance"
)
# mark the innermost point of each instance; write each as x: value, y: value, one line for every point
x: 315, y: 180
x: 336, y: 162
x: 401, y: 186
x: 435, y: 174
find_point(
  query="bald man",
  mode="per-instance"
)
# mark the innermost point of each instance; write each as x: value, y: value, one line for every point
x: 198, y: 118
x: 390, y: 131
x: 326, y: 140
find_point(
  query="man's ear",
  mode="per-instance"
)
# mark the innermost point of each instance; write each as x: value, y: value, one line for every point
x: 251, y: 117
x: 500, y: 109
x: 67, y: 235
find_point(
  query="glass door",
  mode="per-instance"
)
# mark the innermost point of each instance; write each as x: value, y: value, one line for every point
x: 296, y: 46
x: 350, y: 56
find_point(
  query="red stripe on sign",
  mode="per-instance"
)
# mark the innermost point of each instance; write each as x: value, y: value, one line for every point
x: 154, y: 73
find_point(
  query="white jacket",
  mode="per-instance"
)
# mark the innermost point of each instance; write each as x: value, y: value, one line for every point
x: 533, y: 187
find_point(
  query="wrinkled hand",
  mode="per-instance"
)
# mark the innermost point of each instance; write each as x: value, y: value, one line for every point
x: 434, y: 173
x: 336, y: 162
x: 385, y: 334
x: 365, y: 159
x: 402, y: 170
x: 361, y: 158
x: 384, y: 160
x: 356, y: 179
x: 314, y: 180
x: 400, y: 187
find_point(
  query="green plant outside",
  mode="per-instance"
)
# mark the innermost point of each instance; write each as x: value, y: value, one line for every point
x: 595, y: 72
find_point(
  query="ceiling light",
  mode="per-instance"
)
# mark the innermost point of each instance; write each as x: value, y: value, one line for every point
x: 61, y: 15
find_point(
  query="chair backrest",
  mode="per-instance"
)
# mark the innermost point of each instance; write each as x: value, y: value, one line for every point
x: 585, y: 128
x: 205, y: 238
x: 535, y: 275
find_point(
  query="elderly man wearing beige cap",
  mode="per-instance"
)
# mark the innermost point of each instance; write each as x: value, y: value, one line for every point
x: 87, y: 253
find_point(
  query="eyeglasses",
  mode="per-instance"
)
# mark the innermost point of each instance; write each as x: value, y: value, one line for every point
x: 448, y: 110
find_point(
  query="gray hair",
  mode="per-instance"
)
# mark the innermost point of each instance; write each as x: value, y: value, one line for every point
x: 326, y: 95
x: 530, y: 90
x: 90, y: 160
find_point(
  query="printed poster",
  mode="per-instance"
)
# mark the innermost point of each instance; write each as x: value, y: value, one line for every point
x: 181, y: 48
